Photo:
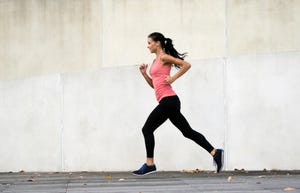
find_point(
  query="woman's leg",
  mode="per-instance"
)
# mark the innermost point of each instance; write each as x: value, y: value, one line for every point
x: 182, y: 124
x: 157, y: 117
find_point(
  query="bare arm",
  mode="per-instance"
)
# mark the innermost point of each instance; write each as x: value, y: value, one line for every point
x: 143, y: 70
x: 184, y: 66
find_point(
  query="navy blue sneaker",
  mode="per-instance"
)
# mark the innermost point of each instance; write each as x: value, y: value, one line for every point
x: 219, y: 159
x: 144, y: 170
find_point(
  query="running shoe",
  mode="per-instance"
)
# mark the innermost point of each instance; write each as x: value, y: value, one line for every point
x: 219, y: 159
x: 144, y: 170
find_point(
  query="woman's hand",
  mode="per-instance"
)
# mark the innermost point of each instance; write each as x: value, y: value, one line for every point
x: 169, y: 79
x: 184, y: 66
x: 143, y: 68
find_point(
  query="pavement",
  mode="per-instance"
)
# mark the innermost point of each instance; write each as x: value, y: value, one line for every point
x: 174, y: 182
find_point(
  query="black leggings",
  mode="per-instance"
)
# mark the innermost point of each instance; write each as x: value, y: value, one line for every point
x: 169, y: 108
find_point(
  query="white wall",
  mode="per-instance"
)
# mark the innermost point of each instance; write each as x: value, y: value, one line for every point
x: 71, y: 99
x: 40, y: 37
x: 263, y: 111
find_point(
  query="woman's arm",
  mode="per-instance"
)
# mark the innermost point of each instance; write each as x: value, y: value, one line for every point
x: 143, y: 70
x: 184, y: 66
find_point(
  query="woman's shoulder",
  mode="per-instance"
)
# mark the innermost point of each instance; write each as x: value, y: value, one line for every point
x: 167, y: 58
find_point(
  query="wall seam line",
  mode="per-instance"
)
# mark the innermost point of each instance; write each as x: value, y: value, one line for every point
x: 225, y: 99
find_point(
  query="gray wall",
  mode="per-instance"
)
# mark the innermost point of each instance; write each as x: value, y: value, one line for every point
x: 72, y: 98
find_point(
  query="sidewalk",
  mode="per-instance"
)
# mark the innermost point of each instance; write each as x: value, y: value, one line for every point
x: 175, y: 182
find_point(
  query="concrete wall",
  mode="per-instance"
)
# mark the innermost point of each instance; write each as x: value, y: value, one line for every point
x: 71, y: 98
x: 43, y: 37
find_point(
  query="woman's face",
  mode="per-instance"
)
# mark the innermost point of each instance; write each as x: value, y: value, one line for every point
x: 153, y: 45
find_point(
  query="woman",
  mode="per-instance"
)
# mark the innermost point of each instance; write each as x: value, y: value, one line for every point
x: 169, y: 104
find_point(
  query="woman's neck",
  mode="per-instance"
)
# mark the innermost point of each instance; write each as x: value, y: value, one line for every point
x: 159, y: 53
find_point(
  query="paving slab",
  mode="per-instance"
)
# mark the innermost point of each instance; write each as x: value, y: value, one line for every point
x: 173, y: 182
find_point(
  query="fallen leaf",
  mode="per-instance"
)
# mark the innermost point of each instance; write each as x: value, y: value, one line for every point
x: 239, y: 170
x: 288, y: 189
x: 31, y: 179
x: 229, y: 179
x: 107, y: 176
x: 121, y: 179
x: 260, y: 176
x: 192, y: 171
x: 187, y: 171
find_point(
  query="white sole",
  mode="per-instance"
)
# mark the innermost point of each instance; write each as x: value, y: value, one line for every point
x: 144, y: 174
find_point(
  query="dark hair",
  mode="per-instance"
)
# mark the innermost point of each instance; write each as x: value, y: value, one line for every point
x: 167, y: 45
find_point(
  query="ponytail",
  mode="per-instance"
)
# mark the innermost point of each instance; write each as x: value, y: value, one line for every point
x: 169, y: 49
x: 167, y: 46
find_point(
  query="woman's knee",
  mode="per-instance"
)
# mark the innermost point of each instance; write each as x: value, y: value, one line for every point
x: 187, y: 133
x: 147, y: 131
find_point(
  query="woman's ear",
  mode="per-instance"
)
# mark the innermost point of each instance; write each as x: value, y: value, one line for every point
x: 158, y: 44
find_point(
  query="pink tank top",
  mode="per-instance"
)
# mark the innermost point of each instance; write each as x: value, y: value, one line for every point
x: 158, y: 73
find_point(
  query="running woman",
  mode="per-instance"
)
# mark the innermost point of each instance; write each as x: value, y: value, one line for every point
x: 169, y: 104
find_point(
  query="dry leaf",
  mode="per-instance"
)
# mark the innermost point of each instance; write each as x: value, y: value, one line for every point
x: 192, y: 171
x: 288, y: 189
x: 239, y: 170
x: 107, y: 176
x: 31, y: 179
x: 229, y: 179
x: 187, y: 171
